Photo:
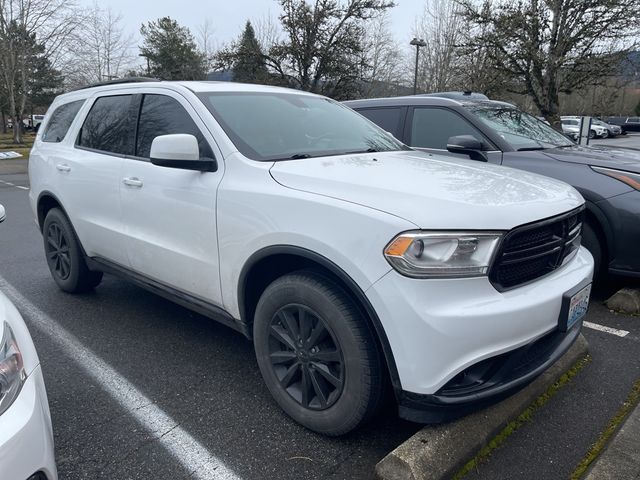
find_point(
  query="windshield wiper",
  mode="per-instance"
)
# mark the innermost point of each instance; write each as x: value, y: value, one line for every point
x: 531, y: 149
x: 299, y: 156
x: 368, y: 150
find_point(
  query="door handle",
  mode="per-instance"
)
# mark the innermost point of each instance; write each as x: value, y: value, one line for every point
x: 132, y: 182
x: 63, y: 167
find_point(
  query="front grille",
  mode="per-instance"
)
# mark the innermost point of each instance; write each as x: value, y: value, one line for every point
x: 534, y: 250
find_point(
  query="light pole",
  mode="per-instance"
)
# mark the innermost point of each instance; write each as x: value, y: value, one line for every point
x: 417, y: 43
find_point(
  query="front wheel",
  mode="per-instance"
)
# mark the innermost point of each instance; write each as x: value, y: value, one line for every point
x: 317, y: 354
x: 591, y: 242
x: 605, y: 134
x: 592, y: 134
x: 64, y: 255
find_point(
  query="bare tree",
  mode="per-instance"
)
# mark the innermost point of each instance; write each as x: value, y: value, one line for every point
x: 382, y: 59
x: 100, y: 51
x: 206, y: 43
x: 23, y: 25
x: 546, y: 47
x: 321, y: 47
x: 268, y: 31
x: 441, y: 28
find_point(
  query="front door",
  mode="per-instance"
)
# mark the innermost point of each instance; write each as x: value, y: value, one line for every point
x: 169, y: 214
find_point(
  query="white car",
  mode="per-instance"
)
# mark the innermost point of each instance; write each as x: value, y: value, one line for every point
x: 26, y: 438
x: 346, y: 257
x: 571, y: 126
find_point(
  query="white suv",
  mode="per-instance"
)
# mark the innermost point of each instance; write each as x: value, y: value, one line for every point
x: 351, y: 261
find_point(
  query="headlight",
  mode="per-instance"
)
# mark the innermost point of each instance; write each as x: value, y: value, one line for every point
x: 442, y: 254
x: 631, y: 179
x: 12, y: 374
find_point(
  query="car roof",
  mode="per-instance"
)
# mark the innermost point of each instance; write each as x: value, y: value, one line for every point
x: 429, y: 99
x: 194, y: 86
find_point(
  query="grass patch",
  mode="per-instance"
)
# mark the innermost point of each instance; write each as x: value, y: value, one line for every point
x: 623, y: 412
x: 525, y: 417
x: 7, y: 145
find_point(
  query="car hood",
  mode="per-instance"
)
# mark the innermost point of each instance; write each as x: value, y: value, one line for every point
x: 430, y: 191
x: 599, y: 156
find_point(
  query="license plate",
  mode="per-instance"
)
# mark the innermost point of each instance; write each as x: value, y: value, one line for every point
x: 577, y: 307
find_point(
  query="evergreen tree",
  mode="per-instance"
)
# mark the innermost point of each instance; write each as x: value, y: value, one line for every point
x: 249, y: 65
x: 171, y: 51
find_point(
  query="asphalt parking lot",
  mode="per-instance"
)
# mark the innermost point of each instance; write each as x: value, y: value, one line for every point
x: 142, y: 388
x: 630, y: 140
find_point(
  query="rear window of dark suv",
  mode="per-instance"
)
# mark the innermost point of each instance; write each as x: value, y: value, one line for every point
x: 60, y: 121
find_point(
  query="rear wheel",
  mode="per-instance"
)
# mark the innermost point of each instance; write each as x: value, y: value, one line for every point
x: 64, y: 255
x: 317, y: 354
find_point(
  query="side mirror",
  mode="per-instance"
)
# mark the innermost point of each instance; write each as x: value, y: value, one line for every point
x: 3, y: 215
x: 180, y: 150
x: 468, y: 145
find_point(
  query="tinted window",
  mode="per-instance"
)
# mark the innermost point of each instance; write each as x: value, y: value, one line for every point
x: 633, y: 120
x: 386, y: 118
x: 108, y: 127
x: 279, y: 126
x: 162, y: 115
x: 432, y: 128
x: 60, y: 121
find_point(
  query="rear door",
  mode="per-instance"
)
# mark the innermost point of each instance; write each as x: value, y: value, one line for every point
x: 169, y: 213
x: 89, y: 176
x: 429, y: 129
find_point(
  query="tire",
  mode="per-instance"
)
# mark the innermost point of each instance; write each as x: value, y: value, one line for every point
x: 64, y: 255
x: 592, y: 243
x: 302, y: 304
x: 592, y: 134
x: 605, y: 134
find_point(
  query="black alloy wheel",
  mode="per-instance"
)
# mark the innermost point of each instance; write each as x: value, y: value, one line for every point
x: 64, y: 255
x: 306, y: 357
x: 57, y: 250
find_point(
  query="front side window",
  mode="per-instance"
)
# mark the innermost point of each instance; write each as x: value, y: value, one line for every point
x: 163, y: 115
x: 60, y: 121
x: 108, y: 126
x: 271, y: 126
x: 432, y: 128
x: 521, y: 130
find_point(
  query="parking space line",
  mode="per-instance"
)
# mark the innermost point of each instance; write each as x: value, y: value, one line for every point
x: 603, y: 328
x: 191, y: 454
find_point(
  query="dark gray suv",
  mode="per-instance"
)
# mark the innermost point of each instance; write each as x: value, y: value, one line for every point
x: 472, y: 126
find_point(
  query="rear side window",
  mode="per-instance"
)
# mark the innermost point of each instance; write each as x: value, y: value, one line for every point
x: 163, y: 115
x: 60, y: 121
x: 386, y: 118
x: 108, y: 126
x: 432, y: 128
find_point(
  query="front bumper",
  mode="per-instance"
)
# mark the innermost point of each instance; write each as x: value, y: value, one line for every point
x: 26, y: 437
x: 438, y: 328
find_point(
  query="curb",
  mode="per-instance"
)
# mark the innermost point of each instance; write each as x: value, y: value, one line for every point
x: 439, y: 451
x: 621, y: 458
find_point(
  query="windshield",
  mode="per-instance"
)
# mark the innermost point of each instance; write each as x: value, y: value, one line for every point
x: 521, y: 130
x: 272, y: 126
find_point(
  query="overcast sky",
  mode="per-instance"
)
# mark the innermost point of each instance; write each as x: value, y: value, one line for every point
x: 229, y: 16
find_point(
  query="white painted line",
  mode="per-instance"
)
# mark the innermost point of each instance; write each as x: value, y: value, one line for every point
x: 603, y: 328
x: 21, y: 187
x: 191, y: 454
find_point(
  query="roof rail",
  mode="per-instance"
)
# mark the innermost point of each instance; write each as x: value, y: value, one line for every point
x: 120, y: 80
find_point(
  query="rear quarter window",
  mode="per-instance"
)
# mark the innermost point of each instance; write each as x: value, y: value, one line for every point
x: 61, y: 119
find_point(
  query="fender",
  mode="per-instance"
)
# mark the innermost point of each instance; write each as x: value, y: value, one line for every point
x: 352, y: 287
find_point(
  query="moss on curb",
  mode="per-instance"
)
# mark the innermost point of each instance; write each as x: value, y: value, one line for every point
x: 525, y: 417
x: 627, y: 406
